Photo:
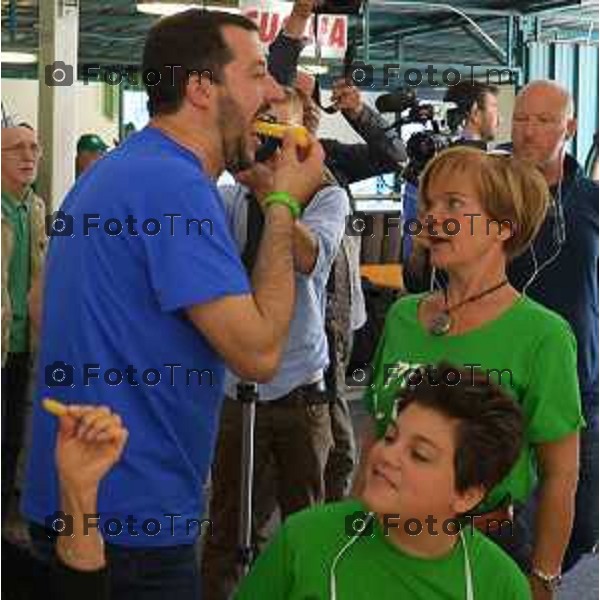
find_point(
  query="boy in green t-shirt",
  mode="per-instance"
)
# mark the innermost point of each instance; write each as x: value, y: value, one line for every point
x: 401, y: 539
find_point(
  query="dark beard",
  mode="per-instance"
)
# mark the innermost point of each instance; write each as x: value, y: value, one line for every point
x: 236, y: 154
x: 239, y: 162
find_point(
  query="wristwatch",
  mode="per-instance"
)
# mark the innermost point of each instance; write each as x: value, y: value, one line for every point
x: 550, y: 582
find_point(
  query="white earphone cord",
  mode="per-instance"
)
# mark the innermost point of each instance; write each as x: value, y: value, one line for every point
x: 332, y: 584
x: 559, y: 235
x: 338, y: 556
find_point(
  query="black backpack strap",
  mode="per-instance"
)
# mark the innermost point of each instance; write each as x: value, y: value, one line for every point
x: 337, y: 323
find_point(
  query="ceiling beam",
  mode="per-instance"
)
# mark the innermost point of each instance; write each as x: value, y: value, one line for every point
x: 395, y: 6
x: 556, y: 6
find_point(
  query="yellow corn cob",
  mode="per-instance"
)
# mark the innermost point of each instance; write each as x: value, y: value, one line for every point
x: 277, y: 130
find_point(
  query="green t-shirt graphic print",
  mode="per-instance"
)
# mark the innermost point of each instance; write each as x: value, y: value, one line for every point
x: 529, y: 350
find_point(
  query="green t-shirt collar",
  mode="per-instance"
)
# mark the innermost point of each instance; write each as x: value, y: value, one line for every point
x: 379, y: 534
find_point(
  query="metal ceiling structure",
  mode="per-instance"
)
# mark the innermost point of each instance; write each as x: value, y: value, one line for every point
x: 432, y: 30
x: 112, y: 31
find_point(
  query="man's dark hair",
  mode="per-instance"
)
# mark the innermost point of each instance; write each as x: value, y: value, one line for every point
x: 193, y: 42
x: 465, y: 95
x: 490, y: 429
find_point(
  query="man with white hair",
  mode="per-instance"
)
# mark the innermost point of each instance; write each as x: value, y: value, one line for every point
x: 23, y: 246
x: 560, y: 272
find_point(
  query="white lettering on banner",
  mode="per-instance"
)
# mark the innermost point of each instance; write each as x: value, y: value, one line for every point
x: 270, y: 17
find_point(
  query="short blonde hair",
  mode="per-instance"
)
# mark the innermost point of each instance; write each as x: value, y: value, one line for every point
x: 509, y: 189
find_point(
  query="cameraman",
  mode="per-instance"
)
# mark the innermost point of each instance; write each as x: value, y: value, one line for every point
x: 476, y: 116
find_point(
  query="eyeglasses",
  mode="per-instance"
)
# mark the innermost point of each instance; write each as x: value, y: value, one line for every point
x: 541, y: 121
x: 22, y: 148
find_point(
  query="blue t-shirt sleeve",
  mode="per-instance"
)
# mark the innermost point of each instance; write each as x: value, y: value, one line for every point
x: 194, y: 260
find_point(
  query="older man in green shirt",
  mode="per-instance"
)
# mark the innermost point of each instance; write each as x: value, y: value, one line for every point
x: 23, y: 247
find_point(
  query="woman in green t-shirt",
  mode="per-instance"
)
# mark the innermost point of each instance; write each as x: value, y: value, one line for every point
x: 402, y: 538
x: 482, y: 210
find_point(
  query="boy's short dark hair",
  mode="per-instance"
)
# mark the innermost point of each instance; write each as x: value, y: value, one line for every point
x: 490, y: 428
x: 192, y: 41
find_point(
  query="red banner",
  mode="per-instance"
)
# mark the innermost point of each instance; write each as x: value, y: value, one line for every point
x: 270, y: 17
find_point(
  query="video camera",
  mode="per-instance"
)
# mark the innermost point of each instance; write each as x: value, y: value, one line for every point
x: 422, y: 145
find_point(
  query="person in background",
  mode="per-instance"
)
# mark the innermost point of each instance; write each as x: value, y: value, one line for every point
x: 128, y: 130
x: 90, y: 148
x: 382, y: 152
x: 560, y: 270
x: 345, y: 309
x: 293, y: 437
x: 444, y: 449
x: 476, y: 117
x: 24, y: 244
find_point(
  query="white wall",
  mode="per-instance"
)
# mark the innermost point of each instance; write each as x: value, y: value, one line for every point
x: 20, y: 97
x: 335, y: 126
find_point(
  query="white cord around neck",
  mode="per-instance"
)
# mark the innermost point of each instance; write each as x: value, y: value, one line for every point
x: 338, y: 556
x: 469, y: 594
x: 559, y: 235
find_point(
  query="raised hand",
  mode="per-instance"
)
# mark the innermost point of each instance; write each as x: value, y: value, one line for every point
x: 90, y: 441
x: 347, y: 98
x: 303, y: 8
x: 299, y: 172
x: 259, y: 179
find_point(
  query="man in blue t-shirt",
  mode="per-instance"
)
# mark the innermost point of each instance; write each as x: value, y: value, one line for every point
x: 146, y: 300
x: 564, y: 260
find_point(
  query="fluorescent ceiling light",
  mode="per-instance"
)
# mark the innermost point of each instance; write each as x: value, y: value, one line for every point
x: 170, y: 8
x: 18, y: 58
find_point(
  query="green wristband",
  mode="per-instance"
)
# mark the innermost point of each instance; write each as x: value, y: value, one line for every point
x: 286, y: 199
